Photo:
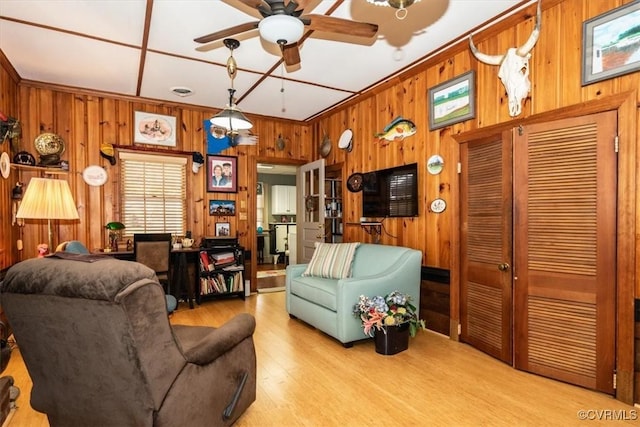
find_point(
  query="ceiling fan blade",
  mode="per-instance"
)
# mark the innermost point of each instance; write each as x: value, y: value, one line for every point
x: 231, y: 31
x: 291, y: 54
x: 332, y: 24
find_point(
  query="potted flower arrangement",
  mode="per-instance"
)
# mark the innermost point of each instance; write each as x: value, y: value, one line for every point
x: 390, y: 319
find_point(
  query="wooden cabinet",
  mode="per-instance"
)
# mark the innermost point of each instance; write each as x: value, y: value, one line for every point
x: 221, y: 272
x: 283, y: 200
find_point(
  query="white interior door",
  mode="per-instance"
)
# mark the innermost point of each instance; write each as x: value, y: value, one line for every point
x: 310, y: 210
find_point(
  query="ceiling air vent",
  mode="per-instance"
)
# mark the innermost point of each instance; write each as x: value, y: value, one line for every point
x: 182, y: 91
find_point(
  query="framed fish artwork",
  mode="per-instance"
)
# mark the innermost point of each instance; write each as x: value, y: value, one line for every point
x: 453, y: 101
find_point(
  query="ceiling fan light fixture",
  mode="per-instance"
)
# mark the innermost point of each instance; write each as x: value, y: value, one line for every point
x: 281, y: 29
x: 401, y: 5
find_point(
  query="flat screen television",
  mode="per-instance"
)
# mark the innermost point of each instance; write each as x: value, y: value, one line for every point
x: 391, y: 192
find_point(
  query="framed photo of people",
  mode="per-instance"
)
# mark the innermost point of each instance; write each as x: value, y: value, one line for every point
x: 222, y: 176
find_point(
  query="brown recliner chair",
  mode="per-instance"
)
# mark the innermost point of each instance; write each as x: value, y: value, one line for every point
x: 99, y: 348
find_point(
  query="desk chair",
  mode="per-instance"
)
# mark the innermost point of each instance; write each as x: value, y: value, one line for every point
x: 154, y: 251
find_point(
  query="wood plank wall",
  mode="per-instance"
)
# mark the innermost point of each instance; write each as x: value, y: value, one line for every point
x: 87, y: 119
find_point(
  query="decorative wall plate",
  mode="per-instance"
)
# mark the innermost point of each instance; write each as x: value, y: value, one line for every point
x: 438, y: 206
x: 94, y: 175
x: 346, y: 140
x: 435, y: 164
x: 325, y: 146
x: 5, y: 165
x: 49, y: 143
x: 354, y: 182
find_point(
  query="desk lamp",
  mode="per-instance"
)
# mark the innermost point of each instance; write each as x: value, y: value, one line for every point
x: 47, y: 199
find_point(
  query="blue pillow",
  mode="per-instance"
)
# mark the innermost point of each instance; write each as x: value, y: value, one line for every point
x: 76, y: 247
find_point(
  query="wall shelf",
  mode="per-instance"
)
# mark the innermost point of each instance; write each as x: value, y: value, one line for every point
x: 45, y: 170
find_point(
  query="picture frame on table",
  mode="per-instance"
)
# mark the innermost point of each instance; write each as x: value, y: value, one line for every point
x: 611, y: 44
x: 453, y: 101
x: 223, y: 229
x: 156, y: 129
x: 222, y: 174
x: 222, y: 207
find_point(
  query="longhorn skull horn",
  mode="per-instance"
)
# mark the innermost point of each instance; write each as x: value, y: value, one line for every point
x: 533, y: 38
x: 521, y: 51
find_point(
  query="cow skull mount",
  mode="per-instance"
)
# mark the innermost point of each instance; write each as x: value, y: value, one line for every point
x: 514, y: 68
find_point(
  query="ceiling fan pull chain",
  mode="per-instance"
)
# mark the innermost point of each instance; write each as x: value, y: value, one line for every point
x: 284, y: 108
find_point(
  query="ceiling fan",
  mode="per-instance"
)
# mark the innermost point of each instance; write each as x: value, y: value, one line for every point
x: 283, y: 23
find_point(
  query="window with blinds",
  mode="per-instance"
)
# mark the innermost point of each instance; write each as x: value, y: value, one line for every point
x: 153, y: 193
x: 403, y: 197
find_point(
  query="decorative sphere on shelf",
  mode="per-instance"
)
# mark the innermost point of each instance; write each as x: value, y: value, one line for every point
x: 259, y: 229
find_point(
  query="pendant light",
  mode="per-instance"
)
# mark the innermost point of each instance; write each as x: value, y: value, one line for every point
x: 231, y: 118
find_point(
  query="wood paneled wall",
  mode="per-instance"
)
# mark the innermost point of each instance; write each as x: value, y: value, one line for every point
x: 86, y: 119
x: 555, y: 74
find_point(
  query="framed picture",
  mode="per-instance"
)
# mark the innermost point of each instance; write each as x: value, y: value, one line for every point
x: 223, y: 229
x: 453, y: 101
x: 221, y: 174
x: 154, y: 129
x: 610, y: 44
x: 222, y: 207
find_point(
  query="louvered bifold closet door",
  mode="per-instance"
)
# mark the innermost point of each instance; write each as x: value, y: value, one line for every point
x: 485, y: 242
x: 564, y: 239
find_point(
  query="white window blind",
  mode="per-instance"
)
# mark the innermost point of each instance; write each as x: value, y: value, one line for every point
x: 153, y: 193
x: 402, y: 197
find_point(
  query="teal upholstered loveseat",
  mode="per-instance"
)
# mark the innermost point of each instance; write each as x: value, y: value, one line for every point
x: 327, y: 304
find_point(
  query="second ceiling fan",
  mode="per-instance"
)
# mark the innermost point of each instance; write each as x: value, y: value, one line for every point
x: 284, y: 24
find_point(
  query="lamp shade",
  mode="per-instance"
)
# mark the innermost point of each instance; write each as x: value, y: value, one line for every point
x: 281, y: 29
x: 47, y: 199
x: 231, y: 118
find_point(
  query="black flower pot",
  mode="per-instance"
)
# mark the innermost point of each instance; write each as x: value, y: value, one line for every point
x: 392, y: 339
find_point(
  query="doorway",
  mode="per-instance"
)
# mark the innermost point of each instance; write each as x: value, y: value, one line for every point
x: 273, y: 228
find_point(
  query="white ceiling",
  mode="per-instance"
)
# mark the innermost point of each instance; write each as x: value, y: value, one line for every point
x: 99, y: 45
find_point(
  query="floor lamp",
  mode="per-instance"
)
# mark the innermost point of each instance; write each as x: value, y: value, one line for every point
x: 47, y: 199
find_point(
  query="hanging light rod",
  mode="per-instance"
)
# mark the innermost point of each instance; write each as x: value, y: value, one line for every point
x: 231, y: 118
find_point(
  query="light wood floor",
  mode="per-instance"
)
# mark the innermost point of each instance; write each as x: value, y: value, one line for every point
x: 306, y: 378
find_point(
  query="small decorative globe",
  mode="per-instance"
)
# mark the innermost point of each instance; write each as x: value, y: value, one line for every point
x: 259, y: 229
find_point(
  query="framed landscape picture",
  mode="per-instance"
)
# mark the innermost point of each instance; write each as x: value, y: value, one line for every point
x: 222, y: 207
x: 154, y: 129
x: 453, y: 101
x: 221, y: 174
x: 611, y: 44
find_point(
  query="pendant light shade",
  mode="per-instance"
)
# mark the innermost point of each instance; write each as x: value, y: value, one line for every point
x: 281, y: 29
x: 231, y: 118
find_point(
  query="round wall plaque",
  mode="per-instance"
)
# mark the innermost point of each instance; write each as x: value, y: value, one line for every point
x: 94, y: 175
x: 435, y: 164
x: 438, y: 206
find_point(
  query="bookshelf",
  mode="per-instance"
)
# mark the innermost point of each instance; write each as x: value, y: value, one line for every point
x: 221, y: 272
